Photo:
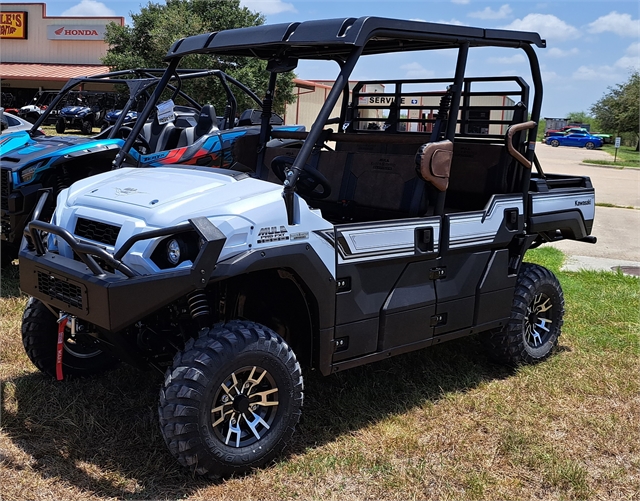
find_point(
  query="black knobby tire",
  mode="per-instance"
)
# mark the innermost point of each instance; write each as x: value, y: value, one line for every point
x: 40, y: 339
x: 536, y: 319
x: 8, y: 253
x: 87, y: 127
x: 60, y: 126
x: 194, y: 418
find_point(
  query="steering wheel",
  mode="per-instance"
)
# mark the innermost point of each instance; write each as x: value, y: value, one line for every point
x: 140, y: 142
x: 309, y: 180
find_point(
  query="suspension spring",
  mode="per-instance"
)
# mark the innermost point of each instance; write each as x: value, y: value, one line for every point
x: 199, y: 307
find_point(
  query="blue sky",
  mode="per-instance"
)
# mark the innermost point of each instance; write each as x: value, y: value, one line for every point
x: 590, y: 44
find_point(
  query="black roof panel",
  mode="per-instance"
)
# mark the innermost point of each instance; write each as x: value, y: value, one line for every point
x: 335, y: 38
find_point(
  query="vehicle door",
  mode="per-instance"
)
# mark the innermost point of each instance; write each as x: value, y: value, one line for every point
x: 474, y: 287
x: 385, y: 295
x: 575, y: 139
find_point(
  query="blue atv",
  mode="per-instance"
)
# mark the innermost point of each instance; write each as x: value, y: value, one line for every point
x: 85, y: 113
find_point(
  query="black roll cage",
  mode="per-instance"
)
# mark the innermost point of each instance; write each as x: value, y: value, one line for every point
x: 141, y: 80
x: 172, y: 72
x: 345, y: 41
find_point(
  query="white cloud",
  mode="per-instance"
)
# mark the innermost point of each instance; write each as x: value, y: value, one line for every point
x: 597, y: 73
x: 549, y: 26
x: 416, y: 70
x: 89, y: 8
x: 620, y: 24
x: 268, y: 6
x: 515, y: 59
x: 461, y: 2
x: 631, y: 59
x: 555, y: 52
x: 488, y: 13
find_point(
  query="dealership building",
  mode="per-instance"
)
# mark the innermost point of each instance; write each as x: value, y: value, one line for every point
x: 40, y: 52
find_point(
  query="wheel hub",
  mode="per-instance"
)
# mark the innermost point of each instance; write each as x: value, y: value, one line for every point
x: 244, y: 407
x: 241, y: 404
x: 538, y: 320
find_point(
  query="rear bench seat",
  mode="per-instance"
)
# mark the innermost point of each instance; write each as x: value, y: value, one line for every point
x: 378, y: 180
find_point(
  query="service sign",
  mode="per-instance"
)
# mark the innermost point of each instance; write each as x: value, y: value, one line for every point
x: 13, y: 25
x: 76, y: 32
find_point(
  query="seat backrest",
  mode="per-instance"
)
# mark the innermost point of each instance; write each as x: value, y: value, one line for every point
x: 157, y: 135
x: 364, y: 186
x: 478, y: 170
x: 206, y: 121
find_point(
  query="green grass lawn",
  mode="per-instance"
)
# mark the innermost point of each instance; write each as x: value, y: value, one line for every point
x: 626, y: 157
x: 443, y: 423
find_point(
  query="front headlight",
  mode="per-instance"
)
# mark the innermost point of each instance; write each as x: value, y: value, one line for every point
x: 173, y: 251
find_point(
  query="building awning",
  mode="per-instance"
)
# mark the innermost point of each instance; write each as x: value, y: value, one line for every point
x: 48, y: 72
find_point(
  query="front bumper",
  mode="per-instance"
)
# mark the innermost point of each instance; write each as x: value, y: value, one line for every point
x: 111, y: 300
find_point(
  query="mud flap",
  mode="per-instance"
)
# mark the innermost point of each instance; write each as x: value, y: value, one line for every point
x: 62, y: 323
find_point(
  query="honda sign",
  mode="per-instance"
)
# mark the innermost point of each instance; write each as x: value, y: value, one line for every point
x: 75, y: 32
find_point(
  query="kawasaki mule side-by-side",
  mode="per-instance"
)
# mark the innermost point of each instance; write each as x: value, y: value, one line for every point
x: 398, y: 224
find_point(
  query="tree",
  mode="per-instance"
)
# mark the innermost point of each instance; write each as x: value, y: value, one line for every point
x: 618, y: 110
x: 157, y: 26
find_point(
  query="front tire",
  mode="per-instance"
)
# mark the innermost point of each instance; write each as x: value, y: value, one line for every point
x: 590, y: 145
x: 8, y: 253
x: 60, y: 126
x: 555, y: 143
x: 536, y: 319
x: 231, y: 400
x: 40, y: 338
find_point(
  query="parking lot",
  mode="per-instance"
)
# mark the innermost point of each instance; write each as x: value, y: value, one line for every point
x: 617, y: 228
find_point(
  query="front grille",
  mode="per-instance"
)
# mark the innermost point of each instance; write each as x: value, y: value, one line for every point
x: 5, y: 188
x: 59, y: 289
x: 97, y: 231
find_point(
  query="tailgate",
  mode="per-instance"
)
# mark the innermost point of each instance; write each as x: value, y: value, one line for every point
x: 562, y: 203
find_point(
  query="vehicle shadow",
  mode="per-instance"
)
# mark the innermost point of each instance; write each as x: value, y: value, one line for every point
x: 10, y: 282
x: 101, y: 435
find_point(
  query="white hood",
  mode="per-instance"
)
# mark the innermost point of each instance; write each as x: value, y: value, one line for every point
x: 160, y: 195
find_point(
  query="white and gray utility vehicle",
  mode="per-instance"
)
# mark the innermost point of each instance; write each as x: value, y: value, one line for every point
x: 398, y: 221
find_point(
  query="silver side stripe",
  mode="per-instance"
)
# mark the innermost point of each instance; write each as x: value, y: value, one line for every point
x: 481, y: 227
x: 385, y: 239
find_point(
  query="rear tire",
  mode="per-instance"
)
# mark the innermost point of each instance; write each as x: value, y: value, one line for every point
x: 555, y: 143
x: 40, y: 338
x: 231, y: 400
x: 536, y: 319
x: 60, y: 126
